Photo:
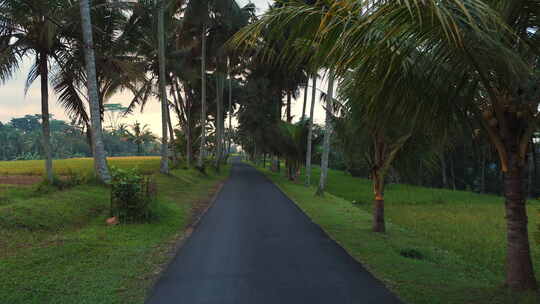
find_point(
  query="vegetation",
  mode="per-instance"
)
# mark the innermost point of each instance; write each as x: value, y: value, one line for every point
x: 82, y: 166
x: 56, y: 245
x: 442, y: 246
x: 465, y: 63
x: 21, y: 139
x: 423, y: 92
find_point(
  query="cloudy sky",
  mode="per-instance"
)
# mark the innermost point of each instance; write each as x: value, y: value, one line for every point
x: 13, y: 102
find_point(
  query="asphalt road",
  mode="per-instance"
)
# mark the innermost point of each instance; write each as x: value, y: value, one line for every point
x: 254, y: 246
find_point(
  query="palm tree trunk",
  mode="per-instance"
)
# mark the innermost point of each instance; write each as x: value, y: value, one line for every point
x: 100, y: 160
x: 230, y: 112
x: 519, y: 269
x: 443, y: 171
x: 219, y: 121
x: 44, y: 75
x: 305, y: 100
x: 327, y: 135
x: 378, y: 204
x: 534, y: 187
x: 452, y: 173
x: 289, y: 97
x: 189, y: 140
x: 164, y: 167
x: 310, y: 131
x: 171, y: 133
x: 483, y: 171
x: 200, y: 162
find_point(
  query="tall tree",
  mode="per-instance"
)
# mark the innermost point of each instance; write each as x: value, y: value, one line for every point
x: 310, y: 130
x: 202, y: 152
x: 327, y: 134
x: 33, y: 29
x: 164, y: 166
x: 100, y: 161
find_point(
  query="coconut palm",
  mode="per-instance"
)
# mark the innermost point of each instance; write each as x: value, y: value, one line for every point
x: 327, y: 134
x: 164, y: 167
x: 33, y: 29
x: 310, y: 128
x: 100, y: 161
x: 140, y: 135
x: 485, y: 47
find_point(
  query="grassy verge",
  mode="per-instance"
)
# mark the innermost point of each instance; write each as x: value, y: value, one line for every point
x: 56, y: 248
x: 441, y: 246
x: 146, y: 164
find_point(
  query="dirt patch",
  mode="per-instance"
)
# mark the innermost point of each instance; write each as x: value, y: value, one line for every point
x: 24, y: 180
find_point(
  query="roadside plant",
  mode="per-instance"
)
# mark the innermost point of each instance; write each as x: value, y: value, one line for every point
x: 132, y: 195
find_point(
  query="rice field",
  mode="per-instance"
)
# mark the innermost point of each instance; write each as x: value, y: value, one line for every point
x: 147, y: 164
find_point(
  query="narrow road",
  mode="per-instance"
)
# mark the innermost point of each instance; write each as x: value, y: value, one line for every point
x: 254, y: 246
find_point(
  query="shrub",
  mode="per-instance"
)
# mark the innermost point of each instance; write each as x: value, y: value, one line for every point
x: 132, y: 195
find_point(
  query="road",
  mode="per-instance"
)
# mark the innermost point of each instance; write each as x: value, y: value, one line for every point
x: 254, y: 246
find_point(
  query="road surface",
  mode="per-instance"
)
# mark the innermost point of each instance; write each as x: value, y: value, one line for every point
x: 254, y: 246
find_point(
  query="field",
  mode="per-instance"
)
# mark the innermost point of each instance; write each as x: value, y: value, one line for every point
x: 147, y: 164
x: 56, y: 248
x: 442, y: 246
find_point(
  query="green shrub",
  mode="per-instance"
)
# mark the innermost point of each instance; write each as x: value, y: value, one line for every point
x: 132, y: 195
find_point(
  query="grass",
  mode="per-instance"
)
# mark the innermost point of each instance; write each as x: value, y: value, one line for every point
x: 56, y: 248
x: 442, y: 246
x: 146, y: 164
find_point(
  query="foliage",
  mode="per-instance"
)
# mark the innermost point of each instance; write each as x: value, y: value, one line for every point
x: 21, y: 140
x: 132, y: 195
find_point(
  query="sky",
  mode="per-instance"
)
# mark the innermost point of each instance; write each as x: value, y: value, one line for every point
x: 14, y: 103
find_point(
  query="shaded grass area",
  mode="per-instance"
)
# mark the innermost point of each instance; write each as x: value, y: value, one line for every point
x: 147, y: 164
x: 442, y: 246
x: 56, y: 248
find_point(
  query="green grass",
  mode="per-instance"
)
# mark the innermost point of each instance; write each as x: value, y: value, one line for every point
x: 146, y: 164
x: 56, y: 248
x: 461, y: 236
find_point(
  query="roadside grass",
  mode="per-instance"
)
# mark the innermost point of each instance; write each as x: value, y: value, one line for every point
x: 56, y: 248
x: 442, y: 246
x: 147, y: 164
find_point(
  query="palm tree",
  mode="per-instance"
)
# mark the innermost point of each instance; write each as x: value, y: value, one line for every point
x: 164, y: 168
x: 100, y: 161
x: 202, y: 152
x: 482, y: 49
x: 310, y: 128
x: 327, y: 134
x: 140, y: 135
x: 33, y: 28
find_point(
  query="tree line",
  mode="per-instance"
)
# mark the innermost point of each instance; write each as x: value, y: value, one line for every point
x: 422, y: 85
x: 21, y: 139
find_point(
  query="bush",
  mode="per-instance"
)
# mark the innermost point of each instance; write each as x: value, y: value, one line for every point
x: 132, y: 195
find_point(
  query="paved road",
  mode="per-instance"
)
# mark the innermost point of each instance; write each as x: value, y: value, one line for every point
x: 255, y: 247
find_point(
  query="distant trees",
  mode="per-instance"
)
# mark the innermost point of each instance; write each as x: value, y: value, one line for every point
x: 21, y: 139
